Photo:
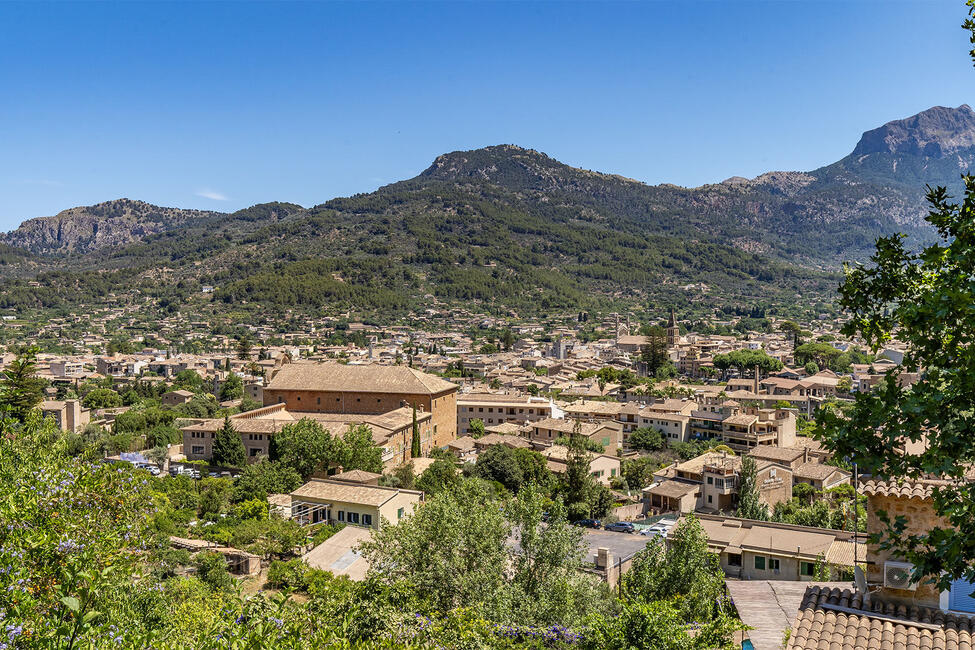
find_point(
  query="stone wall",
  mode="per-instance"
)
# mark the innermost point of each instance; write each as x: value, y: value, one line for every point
x: 920, y: 519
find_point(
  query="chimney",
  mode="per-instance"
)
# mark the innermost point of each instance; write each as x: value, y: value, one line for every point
x: 755, y: 384
x: 603, y: 558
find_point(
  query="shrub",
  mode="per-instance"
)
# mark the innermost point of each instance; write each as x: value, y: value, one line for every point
x: 288, y: 575
x: 211, y: 569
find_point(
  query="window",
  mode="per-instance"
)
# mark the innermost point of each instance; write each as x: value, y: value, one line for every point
x: 299, y: 398
x: 719, y: 482
x: 773, y: 564
x: 759, y: 562
x: 734, y: 559
x: 710, y: 500
x: 771, y: 473
x: 197, y: 449
x: 807, y: 569
x: 353, y: 517
x: 341, y: 515
x: 399, y: 513
x: 367, y: 520
x: 710, y: 481
x: 319, y: 400
x: 254, y: 451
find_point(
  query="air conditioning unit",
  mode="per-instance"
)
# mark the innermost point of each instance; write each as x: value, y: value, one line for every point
x: 897, y: 575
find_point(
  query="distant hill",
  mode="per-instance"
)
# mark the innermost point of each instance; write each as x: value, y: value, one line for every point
x: 84, y: 229
x: 513, y: 228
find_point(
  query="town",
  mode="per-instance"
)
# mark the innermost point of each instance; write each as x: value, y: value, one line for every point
x: 487, y: 325
x: 668, y: 423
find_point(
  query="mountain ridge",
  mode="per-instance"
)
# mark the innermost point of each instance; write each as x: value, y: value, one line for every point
x: 504, y: 227
x: 927, y: 147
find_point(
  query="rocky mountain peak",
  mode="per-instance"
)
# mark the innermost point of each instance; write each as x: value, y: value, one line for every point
x: 936, y: 132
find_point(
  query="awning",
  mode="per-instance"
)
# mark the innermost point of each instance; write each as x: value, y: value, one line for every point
x: 733, y: 550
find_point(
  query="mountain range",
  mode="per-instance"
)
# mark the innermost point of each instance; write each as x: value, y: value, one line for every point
x: 511, y: 227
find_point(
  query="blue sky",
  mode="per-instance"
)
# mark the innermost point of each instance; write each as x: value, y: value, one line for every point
x: 220, y: 106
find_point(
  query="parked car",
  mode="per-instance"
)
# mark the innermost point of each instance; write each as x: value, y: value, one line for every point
x: 620, y: 527
x: 588, y: 523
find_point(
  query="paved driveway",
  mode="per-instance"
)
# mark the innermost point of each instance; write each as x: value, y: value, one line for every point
x: 621, y: 545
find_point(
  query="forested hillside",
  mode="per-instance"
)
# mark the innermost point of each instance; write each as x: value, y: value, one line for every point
x: 508, y: 228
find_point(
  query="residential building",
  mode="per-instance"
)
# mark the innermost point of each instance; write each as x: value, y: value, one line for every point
x: 365, y: 389
x: 327, y: 500
x: 763, y: 550
x: 889, y: 610
x: 393, y: 431
x: 492, y: 408
x: 602, y: 467
x: 176, y: 397
x: 605, y: 433
x: 710, y: 482
x: 69, y: 415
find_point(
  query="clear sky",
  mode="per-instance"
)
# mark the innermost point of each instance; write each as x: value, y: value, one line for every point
x: 220, y: 106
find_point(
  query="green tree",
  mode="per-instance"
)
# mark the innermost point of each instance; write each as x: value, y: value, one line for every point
x: 660, y: 626
x: 654, y: 352
x: 101, y: 398
x: 811, y: 368
x: 548, y: 585
x: 228, y: 449
x: 232, y: 387
x: 685, y: 570
x: 582, y: 495
x: 451, y: 549
x: 404, y: 476
x: 441, y: 476
x: 498, y: 463
x: 646, y: 439
x: 745, y: 361
x: 20, y: 388
x: 244, y: 348
x: 823, y: 355
x: 477, y: 428
x: 792, y: 329
x: 356, y: 450
x: 306, y: 447
x: 211, y: 568
x: 637, y: 473
x: 188, y: 380
x: 750, y: 505
x: 264, y: 478
x: 415, y: 451
x: 534, y: 468
x: 507, y: 339
x: 845, y: 385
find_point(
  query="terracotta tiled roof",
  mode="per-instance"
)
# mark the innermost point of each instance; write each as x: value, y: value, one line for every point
x: 836, y: 618
x: 816, y: 471
x: 358, y: 379
x: 907, y: 489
